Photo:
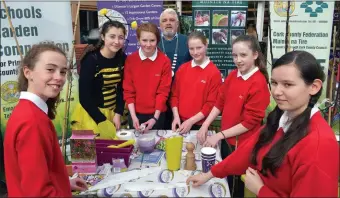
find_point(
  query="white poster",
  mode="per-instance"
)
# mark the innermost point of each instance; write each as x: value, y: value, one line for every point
x: 310, y: 26
x: 33, y: 22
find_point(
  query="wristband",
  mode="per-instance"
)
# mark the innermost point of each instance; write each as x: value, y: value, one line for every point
x: 154, y: 119
x: 223, y: 135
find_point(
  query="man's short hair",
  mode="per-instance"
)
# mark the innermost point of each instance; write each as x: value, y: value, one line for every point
x: 168, y: 11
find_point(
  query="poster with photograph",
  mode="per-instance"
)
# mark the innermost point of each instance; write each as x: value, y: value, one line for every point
x: 220, y: 18
x: 221, y: 22
x: 234, y: 33
x: 220, y: 36
x: 202, y: 18
x: 238, y: 18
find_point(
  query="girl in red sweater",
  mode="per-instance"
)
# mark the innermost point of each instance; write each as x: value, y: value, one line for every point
x: 195, y: 88
x: 147, y: 81
x: 243, y: 99
x: 295, y: 154
x: 34, y: 165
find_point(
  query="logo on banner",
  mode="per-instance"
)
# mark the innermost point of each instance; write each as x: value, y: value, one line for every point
x: 308, y: 5
x: 281, y: 7
x: 10, y: 91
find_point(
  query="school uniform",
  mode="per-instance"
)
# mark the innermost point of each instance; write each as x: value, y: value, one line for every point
x: 146, y: 84
x: 34, y: 165
x: 195, y: 89
x: 178, y: 52
x: 309, y: 169
x: 242, y: 99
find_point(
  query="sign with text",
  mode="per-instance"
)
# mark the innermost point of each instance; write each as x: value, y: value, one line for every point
x: 128, y: 11
x: 310, y: 25
x: 221, y: 22
x: 33, y: 22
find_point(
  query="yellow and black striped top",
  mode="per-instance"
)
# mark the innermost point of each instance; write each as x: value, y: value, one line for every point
x: 100, y: 84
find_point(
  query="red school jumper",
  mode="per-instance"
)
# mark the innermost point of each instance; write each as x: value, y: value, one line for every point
x: 34, y: 166
x: 243, y: 101
x: 309, y: 169
x: 147, y: 83
x: 195, y: 90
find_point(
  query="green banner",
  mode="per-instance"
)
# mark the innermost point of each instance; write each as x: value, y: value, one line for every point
x: 221, y: 22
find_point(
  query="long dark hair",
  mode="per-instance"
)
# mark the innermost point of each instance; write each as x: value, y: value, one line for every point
x: 29, y: 61
x: 254, y: 45
x: 105, y: 28
x: 310, y: 70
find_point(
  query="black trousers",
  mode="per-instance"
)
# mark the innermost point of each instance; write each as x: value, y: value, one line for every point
x: 236, y: 185
x: 145, y: 117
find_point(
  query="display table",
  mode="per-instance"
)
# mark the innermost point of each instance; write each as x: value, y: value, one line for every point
x: 214, y: 188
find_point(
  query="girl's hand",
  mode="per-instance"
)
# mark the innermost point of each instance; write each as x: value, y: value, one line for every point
x: 175, y: 123
x: 185, y: 126
x: 202, y: 134
x: 135, y: 122
x: 149, y: 124
x: 78, y: 184
x: 116, y: 121
x: 212, y: 141
x: 199, y: 179
x: 253, y: 181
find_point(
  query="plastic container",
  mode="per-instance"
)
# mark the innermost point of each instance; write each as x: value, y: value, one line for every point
x: 146, y: 143
x: 105, y: 155
x: 173, y: 152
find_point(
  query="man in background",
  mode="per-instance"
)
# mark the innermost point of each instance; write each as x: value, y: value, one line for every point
x: 174, y: 45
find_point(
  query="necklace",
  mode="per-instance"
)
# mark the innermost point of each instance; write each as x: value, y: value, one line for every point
x: 174, y: 60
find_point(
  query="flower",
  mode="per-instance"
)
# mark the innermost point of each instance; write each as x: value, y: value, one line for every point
x: 103, y: 11
x: 134, y: 25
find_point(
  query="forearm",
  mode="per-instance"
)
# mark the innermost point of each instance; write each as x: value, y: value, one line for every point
x: 212, y: 116
x: 198, y: 117
x: 132, y: 111
x: 234, y: 131
x: 175, y: 112
x: 157, y: 114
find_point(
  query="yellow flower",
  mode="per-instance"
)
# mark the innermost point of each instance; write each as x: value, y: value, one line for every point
x: 103, y: 12
x: 134, y: 25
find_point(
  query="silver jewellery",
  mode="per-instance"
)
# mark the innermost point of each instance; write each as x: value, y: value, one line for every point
x: 173, y: 65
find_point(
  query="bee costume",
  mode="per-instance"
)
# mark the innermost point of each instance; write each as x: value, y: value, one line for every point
x: 100, y: 94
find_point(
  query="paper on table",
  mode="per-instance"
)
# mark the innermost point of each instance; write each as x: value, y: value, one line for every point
x: 124, y: 177
x: 144, y: 186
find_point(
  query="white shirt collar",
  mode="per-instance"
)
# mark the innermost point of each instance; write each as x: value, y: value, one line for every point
x: 143, y: 57
x: 284, y: 119
x: 248, y: 75
x: 35, y: 99
x: 203, y: 65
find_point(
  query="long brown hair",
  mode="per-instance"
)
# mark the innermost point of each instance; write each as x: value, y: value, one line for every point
x: 310, y: 70
x: 30, y: 59
x: 254, y: 45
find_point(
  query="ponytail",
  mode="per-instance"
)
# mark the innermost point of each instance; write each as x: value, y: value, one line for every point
x: 310, y: 70
x: 260, y: 62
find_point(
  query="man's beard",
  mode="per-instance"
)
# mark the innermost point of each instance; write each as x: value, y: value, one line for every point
x: 169, y: 33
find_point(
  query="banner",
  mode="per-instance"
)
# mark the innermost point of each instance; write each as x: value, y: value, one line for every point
x: 310, y: 25
x: 128, y: 11
x: 34, y: 22
x: 221, y: 22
